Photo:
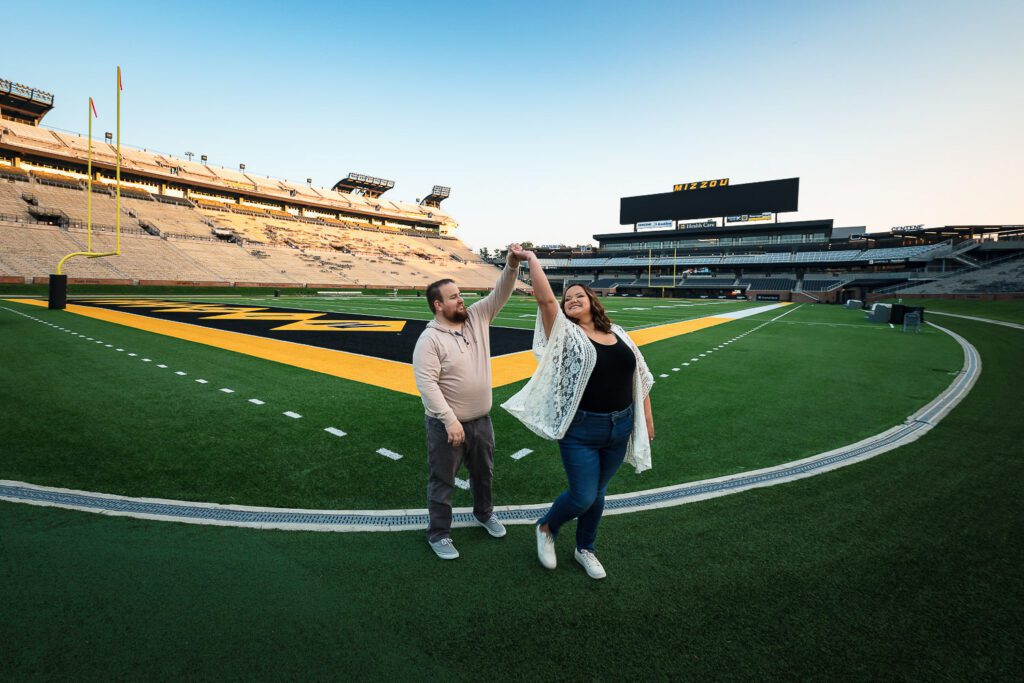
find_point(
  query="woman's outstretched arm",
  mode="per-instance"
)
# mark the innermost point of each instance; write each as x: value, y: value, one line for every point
x: 546, y: 300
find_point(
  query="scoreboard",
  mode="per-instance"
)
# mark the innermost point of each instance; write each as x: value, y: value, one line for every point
x: 746, y: 199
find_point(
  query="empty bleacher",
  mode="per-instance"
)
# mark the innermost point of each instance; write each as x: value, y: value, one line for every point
x: 608, y: 283
x: 769, y: 284
x: 1001, y: 277
x: 28, y: 250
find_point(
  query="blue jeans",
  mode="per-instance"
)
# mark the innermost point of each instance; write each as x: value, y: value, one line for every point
x: 592, y: 451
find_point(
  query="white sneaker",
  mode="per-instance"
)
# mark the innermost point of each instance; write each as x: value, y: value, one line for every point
x: 591, y: 564
x: 444, y: 548
x: 545, y: 549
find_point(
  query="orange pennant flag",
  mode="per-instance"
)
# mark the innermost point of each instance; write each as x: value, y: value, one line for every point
x: 119, y: 86
x: 93, y: 106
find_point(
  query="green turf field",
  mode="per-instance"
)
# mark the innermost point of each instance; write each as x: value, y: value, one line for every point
x: 906, y: 566
x: 127, y: 426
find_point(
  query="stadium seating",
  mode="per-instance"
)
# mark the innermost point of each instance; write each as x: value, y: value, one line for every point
x: 34, y: 251
x: 1006, y: 276
x: 608, y: 283
x: 775, y: 284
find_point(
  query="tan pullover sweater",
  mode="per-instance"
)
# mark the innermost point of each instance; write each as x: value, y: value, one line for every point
x: 453, y: 372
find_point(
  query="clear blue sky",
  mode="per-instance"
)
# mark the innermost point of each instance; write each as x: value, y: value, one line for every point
x: 542, y: 115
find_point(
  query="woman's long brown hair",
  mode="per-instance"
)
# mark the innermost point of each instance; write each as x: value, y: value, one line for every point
x: 597, y: 312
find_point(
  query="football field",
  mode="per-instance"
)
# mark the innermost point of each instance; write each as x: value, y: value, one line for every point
x: 811, y: 578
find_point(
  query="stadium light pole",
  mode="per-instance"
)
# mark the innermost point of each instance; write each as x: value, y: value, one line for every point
x: 189, y: 155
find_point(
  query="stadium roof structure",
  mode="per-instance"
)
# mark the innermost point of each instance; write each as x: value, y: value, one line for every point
x: 365, y: 185
x: 436, y: 196
x: 949, y: 231
x: 24, y: 103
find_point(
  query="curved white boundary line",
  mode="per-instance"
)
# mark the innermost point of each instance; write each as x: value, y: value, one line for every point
x: 915, y: 426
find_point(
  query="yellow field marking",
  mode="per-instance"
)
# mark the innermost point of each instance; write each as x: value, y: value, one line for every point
x: 650, y: 335
x: 388, y: 374
x: 376, y: 371
x: 260, y: 314
x: 346, y: 325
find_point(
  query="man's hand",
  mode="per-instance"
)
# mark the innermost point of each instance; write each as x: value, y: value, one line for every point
x: 456, y: 434
x: 525, y: 255
x: 514, y: 255
x: 650, y: 429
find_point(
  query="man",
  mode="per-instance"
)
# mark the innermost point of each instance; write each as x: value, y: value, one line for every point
x: 452, y: 363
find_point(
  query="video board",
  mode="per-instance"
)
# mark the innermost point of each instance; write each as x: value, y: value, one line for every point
x: 770, y: 196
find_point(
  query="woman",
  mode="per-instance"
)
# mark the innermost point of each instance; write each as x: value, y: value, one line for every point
x: 591, y: 393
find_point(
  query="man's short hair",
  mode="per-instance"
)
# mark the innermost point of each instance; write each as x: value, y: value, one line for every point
x: 434, y: 292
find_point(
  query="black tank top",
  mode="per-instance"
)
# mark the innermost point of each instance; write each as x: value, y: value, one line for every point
x: 610, y: 387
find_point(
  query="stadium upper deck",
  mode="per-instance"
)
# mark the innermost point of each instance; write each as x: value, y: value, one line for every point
x: 739, y: 247
x: 39, y: 149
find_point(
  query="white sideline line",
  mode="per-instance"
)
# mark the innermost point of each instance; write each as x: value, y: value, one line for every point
x: 787, y: 312
x: 179, y: 372
x: 256, y: 401
x: 228, y: 391
x: 389, y: 454
x: 663, y: 376
x: 293, y: 415
x: 161, y: 365
x: 335, y: 431
x: 990, y: 321
x: 521, y: 453
x: 146, y: 360
x: 202, y: 381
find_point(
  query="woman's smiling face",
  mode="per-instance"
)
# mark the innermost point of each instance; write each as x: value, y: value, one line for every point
x: 575, y: 302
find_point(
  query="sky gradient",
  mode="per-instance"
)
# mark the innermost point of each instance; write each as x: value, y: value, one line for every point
x: 540, y: 116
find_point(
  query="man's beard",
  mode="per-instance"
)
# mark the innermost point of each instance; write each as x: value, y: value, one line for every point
x: 459, y: 315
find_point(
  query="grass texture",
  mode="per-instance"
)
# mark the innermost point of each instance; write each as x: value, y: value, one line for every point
x: 84, y: 415
x: 903, y: 567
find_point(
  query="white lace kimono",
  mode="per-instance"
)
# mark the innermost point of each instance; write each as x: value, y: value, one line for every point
x: 548, y: 402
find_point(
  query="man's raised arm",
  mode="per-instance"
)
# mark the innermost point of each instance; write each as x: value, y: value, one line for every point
x: 492, y: 303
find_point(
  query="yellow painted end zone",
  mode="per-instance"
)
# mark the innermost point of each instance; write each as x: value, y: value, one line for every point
x: 388, y: 374
x: 376, y: 371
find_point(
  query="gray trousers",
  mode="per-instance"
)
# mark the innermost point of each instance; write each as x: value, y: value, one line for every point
x: 444, y: 460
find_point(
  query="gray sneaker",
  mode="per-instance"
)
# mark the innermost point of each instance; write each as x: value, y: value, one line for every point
x: 493, y: 526
x: 591, y: 564
x: 444, y: 548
